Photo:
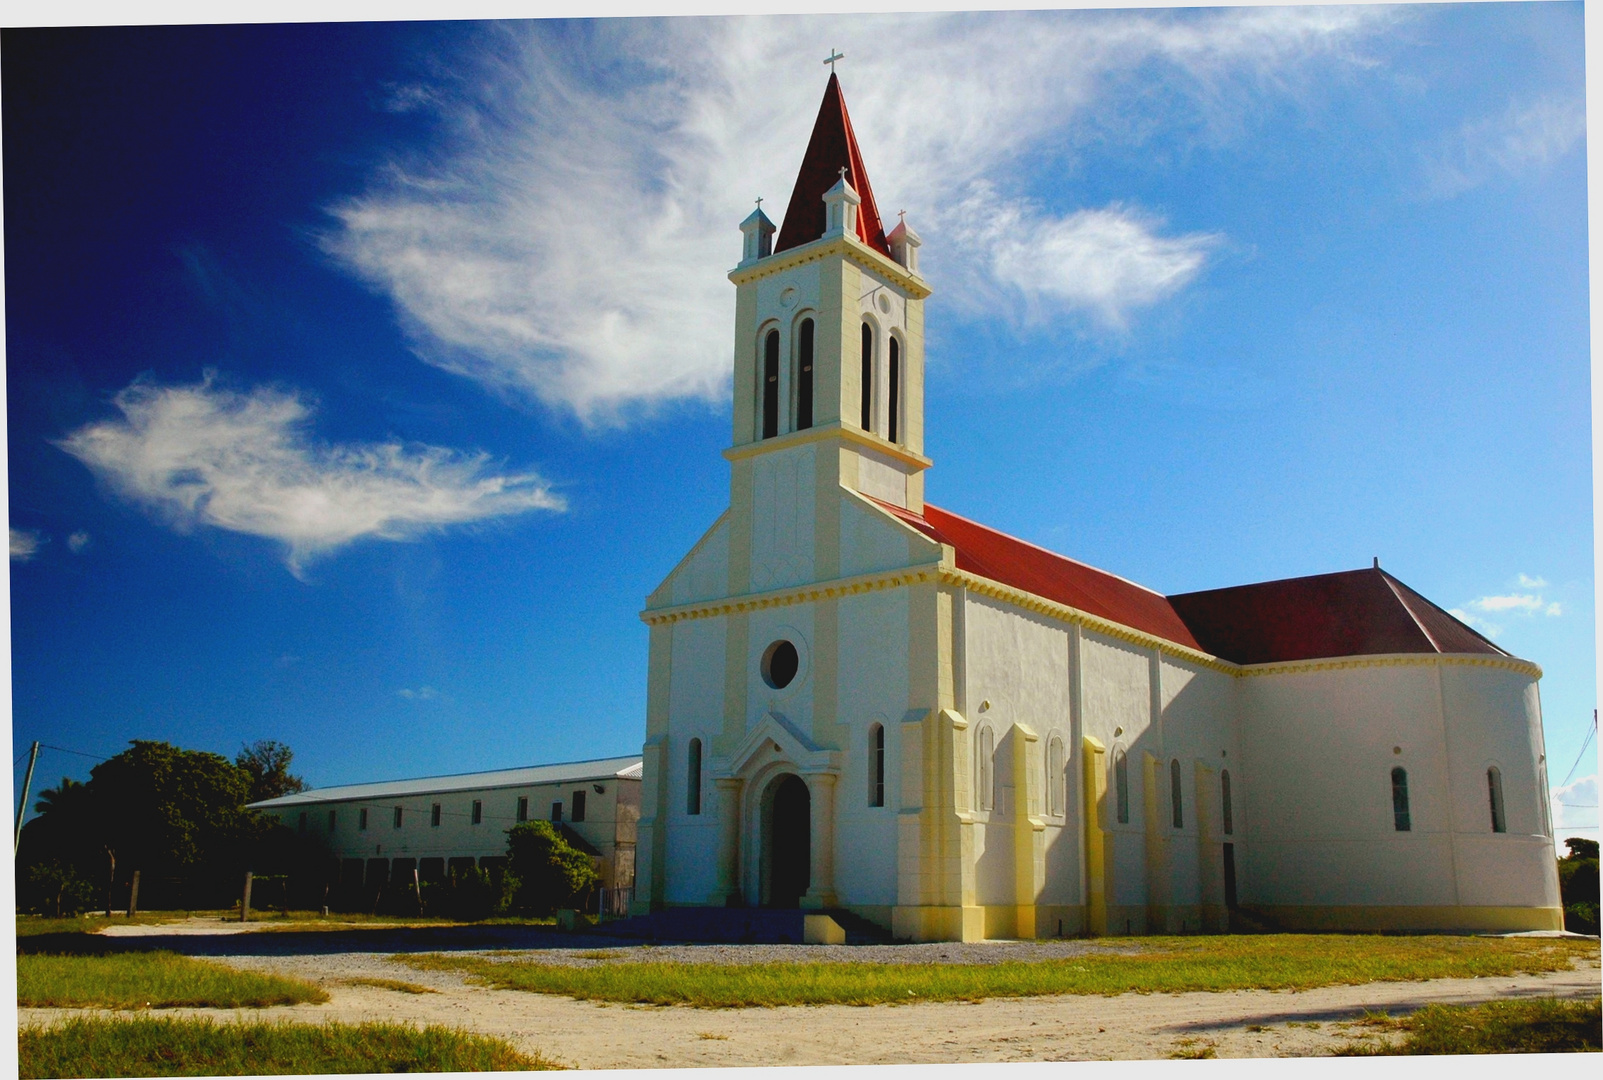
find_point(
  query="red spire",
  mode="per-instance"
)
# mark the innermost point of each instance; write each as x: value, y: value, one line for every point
x: 832, y: 146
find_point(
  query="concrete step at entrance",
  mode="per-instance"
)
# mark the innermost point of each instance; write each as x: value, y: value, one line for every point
x: 766, y: 926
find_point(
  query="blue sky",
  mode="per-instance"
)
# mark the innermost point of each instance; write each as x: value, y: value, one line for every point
x: 363, y: 379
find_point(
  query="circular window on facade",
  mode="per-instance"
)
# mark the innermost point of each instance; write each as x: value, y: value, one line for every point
x: 780, y: 664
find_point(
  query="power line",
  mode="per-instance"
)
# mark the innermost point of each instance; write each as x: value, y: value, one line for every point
x: 64, y: 750
x: 1584, y: 745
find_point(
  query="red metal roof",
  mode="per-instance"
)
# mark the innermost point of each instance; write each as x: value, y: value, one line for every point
x: 832, y: 146
x: 1014, y: 562
x: 1351, y: 613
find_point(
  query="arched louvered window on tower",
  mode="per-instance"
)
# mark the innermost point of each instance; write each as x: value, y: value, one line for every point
x: 1494, y: 789
x: 1174, y: 794
x: 804, y: 375
x: 893, y: 398
x: 770, y: 388
x: 1399, y: 800
x: 693, y: 778
x: 868, y: 378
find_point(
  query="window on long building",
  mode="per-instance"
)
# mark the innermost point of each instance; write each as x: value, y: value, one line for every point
x: 397, y: 817
x: 1494, y: 790
x: 556, y: 812
x: 986, y: 781
x: 876, y: 765
x: 1176, y: 814
x: 1224, y: 801
x: 1055, y: 779
x: 1121, y: 786
x: 361, y: 819
x: 478, y: 812
x: 332, y: 820
x: 434, y: 816
x: 523, y: 808
x: 693, y: 778
x: 577, y: 803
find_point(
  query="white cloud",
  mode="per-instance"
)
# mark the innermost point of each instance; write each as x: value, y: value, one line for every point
x: 24, y: 544
x: 1554, y: 609
x: 1523, y: 602
x: 201, y: 454
x: 1527, y: 582
x: 566, y: 239
x: 77, y: 542
x: 1575, y: 809
x: 422, y: 693
x: 1524, y: 138
x: 1490, y: 629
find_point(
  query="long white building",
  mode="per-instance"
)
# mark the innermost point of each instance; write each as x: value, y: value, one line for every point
x: 860, y: 700
x: 381, y: 832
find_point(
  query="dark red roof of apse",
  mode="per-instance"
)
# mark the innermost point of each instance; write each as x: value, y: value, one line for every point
x: 1353, y: 613
x: 832, y: 146
x: 1015, y: 562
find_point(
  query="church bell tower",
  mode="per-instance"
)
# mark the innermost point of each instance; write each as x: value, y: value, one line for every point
x: 829, y: 362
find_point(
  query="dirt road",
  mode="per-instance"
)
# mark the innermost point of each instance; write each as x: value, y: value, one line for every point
x: 1253, y: 1023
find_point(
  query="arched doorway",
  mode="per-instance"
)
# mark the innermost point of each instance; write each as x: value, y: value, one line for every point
x: 787, y: 841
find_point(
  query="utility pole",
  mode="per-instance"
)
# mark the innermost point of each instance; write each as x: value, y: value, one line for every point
x: 22, y: 808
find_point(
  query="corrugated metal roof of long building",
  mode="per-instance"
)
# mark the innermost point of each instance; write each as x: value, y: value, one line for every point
x: 1023, y: 565
x: 625, y: 768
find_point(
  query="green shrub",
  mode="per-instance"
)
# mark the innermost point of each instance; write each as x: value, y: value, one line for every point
x: 547, y: 871
x: 54, y: 888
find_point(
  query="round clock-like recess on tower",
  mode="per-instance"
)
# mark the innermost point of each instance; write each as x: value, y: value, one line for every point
x: 780, y: 664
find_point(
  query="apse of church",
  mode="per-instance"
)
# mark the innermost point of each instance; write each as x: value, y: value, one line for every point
x: 860, y: 701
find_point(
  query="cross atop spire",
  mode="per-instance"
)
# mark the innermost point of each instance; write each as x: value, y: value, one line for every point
x: 832, y: 155
x: 834, y: 55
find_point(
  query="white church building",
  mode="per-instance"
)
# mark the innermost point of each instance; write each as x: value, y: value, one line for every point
x: 860, y: 701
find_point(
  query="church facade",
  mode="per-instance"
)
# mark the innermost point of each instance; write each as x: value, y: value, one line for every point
x: 860, y: 701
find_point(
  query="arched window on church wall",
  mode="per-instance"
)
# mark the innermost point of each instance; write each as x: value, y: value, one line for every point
x: 1121, y: 786
x: 867, y: 415
x: 770, y: 387
x: 1176, y: 814
x: 804, y: 375
x: 893, y: 400
x: 1055, y: 795
x: 1224, y: 801
x: 693, y: 778
x: 876, y: 765
x: 985, y: 783
x: 1494, y: 790
x: 1399, y: 800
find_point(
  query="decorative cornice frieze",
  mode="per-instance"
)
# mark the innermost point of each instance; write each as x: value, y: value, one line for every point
x: 796, y: 594
x: 1340, y: 663
x: 849, y: 246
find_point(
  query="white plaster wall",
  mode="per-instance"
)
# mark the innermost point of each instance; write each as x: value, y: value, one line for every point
x: 1494, y: 718
x: 705, y: 575
x: 794, y: 623
x: 782, y: 518
x: 1197, y: 727
x: 695, y: 711
x: 1117, y: 694
x: 1019, y: 663
x: 869, y: 541
x: 873, y: 688
x: 1317, y: 749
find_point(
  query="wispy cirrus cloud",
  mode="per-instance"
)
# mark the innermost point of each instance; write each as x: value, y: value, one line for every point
x: 1524, y: 138
x: 245, y: 461
x: 565, y: 239
x: 25, y: 543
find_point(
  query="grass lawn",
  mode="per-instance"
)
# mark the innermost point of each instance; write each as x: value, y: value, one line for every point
x: 134, y: 980
x: 168, y: 1046
x: 1538, y: 1026
x: 1166, y: 965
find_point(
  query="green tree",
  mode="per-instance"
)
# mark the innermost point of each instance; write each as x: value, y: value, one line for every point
x: 267, y: 762
x: 1578, y: 885
x: 551, y: 873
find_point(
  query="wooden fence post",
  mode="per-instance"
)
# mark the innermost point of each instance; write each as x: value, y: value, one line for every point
x: 133, y: 896
x: 244, y: 900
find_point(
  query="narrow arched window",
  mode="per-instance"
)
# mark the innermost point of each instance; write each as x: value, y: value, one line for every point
x: 1174, y: 793
x: 804, y: 375
x: 1054, y: 771
x: 894, y: 389
x: 771, y: 385
x: 1399, y: 800
x: 868, y: 378
x: 693, y: 778
x: 876, y: 765
x: 986, y: 780
x: 1494, y: 789
x: 1224, y: 800
x: 1121, y: 786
